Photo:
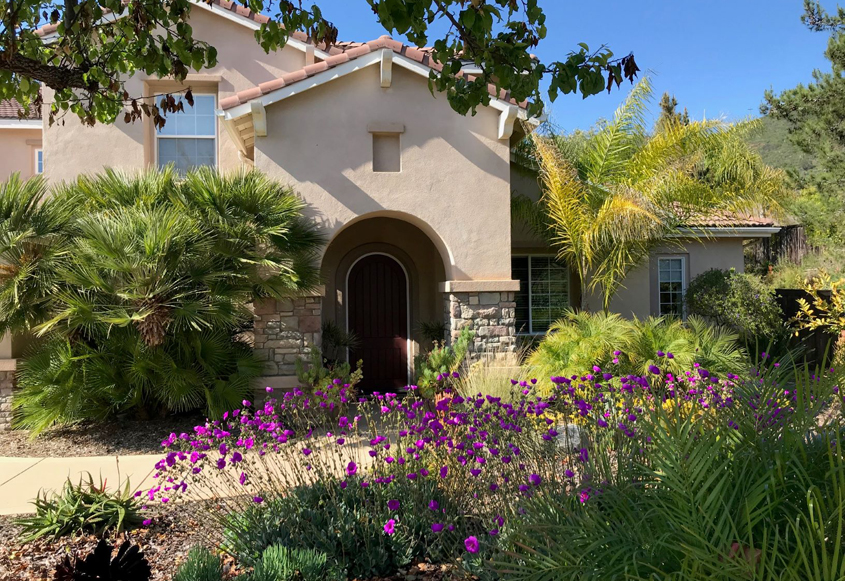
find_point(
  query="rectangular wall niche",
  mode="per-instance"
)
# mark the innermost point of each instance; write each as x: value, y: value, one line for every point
x: 386, y: 146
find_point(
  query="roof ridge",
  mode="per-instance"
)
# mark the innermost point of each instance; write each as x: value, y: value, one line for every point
x: 343, y: 52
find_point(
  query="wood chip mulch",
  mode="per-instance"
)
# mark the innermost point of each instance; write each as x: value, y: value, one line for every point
x: 125, y: 437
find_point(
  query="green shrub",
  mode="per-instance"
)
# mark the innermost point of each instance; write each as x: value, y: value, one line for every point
x: 83, y: 507
x: 141, y: 287
x: 320, y: 372
x: 280, y: 563
x: 442, y: 360
x: 346, y: 524
x: 706, y: 490
x: 582, y: 340
x: 201, y: 565
x: 738, y: 301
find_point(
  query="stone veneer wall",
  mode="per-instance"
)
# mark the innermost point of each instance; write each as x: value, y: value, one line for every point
x: 7, y: 384
x: 492, y: 315
x: 285, y: 330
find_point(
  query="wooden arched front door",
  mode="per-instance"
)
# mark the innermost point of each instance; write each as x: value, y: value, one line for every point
x: 377, y: 291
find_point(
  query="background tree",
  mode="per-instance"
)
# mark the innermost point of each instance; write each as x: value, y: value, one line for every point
x: 803, y: 134
x: 668, y: 114
x: 611, y: 195
x: 79, y: 49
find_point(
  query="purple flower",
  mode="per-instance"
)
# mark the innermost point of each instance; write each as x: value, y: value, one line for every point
x: 242, y: 479
x: 444, y: 471
x: 246, y: 403
x: 569, y: 473
x: 535, y: 479
x: 268, y: 389
x: 436, y: 527
x: 390, y: 526
x: 471, y: 544
x: 351, y: 468
x: 306, y: 451
x: 343, y: 485
x: 433, y: 505
x: 654, y: 369
x: 257, y: 499
x: 221, y: 463
x: 393, y: 504
x: 148, y: 521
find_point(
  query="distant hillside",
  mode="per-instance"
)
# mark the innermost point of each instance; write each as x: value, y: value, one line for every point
x: 773, y: 143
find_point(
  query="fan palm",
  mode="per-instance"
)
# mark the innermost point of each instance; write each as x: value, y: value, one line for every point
x: 143, y: 294
x: 611, y: 195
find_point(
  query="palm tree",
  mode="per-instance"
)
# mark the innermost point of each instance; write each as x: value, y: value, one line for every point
x: 142, y: 295
x: 611, y: 195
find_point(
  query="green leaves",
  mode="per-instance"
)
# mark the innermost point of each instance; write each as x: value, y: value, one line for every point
x: 91, y: 55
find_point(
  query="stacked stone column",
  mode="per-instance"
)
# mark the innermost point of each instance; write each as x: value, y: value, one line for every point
x: 7, y: 384
x: 285, y: 331
x: 490, y: 315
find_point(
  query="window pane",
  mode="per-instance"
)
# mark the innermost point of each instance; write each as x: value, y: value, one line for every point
x: 196, y: 120
x: 186, y: 153
x: 671, y: 286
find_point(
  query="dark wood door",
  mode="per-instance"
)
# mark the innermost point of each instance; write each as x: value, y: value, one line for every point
x: 378, y: 314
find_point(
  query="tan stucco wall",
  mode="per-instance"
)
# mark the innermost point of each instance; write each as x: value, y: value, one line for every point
x: 407, y: 244
x: 71, y: 148
x: 17, y: 151
x: 454, y: 181
x: 637, y: 298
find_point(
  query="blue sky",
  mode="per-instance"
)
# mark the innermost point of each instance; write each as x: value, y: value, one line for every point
x: 716, y: 56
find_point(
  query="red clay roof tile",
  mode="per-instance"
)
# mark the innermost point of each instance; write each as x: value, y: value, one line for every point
x: 342, y: 52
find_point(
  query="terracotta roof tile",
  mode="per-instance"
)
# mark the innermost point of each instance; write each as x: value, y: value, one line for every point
x: 724, y: 219
x: 10, y: 109
x: 342, y: 52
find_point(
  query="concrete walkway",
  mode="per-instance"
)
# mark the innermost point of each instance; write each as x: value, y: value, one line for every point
x: 22, y: 478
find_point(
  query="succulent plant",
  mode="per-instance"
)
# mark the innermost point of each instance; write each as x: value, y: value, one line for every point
x: 128, y: 565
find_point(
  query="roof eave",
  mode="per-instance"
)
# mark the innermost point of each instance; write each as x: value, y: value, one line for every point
x: 349, y: 67
x: 727, y: 232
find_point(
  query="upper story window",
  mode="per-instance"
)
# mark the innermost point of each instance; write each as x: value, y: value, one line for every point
x: 543, y: 292
x: 39, y: 161
x: 189, y: 139
x: 671, y: 285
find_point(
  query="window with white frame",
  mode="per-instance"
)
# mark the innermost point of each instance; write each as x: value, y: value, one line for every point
x: 39, y: 161
x: 543, y: 292
x: 189, y: 138
x: 671, y: 285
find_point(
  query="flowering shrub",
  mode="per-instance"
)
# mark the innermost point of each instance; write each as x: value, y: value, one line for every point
x: 478, y: 479
x: 403, y: 479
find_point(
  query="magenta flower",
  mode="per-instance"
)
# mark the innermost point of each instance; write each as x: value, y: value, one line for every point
x: 306, y: 451
x: 471, y: 544
x: 393, y: 504
x: 343, y: 485
x: 257, y: 499
x: 351, y: 468
x: 535, y: 479
x: 436, y: 527
x: 654, y: 369
x: 444, y: 471
x: 390, y: 526
x: 433, y: 505
x: 147, y: 522
x: 242, y: 479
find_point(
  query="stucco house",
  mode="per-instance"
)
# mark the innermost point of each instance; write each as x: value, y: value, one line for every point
x: 413, y: 198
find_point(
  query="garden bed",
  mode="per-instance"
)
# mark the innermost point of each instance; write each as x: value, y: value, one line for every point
x: 121, y: 437
x: 165, y: 545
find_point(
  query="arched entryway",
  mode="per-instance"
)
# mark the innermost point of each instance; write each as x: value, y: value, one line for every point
x: 378, y: 312
x: 413, y: 260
